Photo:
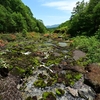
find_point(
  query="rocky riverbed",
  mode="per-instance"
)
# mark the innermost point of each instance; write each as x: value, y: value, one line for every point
x: 47, y: 69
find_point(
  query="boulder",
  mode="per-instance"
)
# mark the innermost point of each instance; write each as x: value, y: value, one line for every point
x: 8, y: 88
x: 92, y: 77
x: 77, y: 54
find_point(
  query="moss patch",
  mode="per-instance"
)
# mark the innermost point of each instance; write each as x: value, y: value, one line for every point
x: 51, y: 81
x: 72, y: 77
x: 29, y: 98
x: 39, y: 83
x: 48, y: 96
x: 60, y: 92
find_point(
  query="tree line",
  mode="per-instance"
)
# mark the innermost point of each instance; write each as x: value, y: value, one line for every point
x: 16, y: 17
x: 85, y: 19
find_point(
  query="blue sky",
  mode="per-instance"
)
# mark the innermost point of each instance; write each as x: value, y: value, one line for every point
x: 51, y: 11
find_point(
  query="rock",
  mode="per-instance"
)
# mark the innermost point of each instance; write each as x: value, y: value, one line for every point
x: 77, y: 54
x: 62, y: 44
x: 92, y: 77
x: 74, y: 68
x: 8, y: 88
x: 73, y: 92
x: 86, y: 93
x: 56, y: 54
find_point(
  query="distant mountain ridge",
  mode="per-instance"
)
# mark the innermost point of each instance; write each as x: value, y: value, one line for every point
x: 52, y: 26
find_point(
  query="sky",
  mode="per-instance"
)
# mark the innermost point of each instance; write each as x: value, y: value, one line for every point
x: 51, y: 11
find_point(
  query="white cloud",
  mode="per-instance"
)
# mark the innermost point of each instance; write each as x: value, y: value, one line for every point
x: 62, y: 5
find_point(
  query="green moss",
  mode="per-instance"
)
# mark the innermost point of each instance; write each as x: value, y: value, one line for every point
x: 39, y: 83
x: 1, y: 97
x: 29, y: 98
x: 42, y: 76
x: 53, y: 60
x: 35, y: 61
x: 60, y: 92
x: 18, y: 71
x: 82, y: 62
x: 48, y: 95
x: 53, y: 75
x: 28, y: 72
x: 3, y: 63
x: 78, y: 76
x: 51, y: 81
x: 72, y: 77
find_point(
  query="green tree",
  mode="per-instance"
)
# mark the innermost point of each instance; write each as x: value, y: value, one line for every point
x: 85, y: 19
x: 78, y: 19
x: 91, y: 5
x: 15, y: 16
x: 40, y: 24
x: 3, y: 14
x: 20, y: 22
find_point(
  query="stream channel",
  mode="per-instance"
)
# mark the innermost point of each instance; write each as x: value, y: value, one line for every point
x: 54, y: 50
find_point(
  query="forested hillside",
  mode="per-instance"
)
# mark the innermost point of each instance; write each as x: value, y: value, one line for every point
x: 16, y: 17
x: 85, y: 19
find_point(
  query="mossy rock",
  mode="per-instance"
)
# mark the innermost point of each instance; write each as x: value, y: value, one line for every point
x: 42, y: 76
x: 48, y: 96
x: 60, y: 92
x: 72, y: 77
x: 40, y: 83
x: 29, y: 98
x: 53, y: 60
x: 28, y: 72
x: 51, y: 81
x: 41, y: 99
x: 17, y: 71
x: 53, y: 75
x: 1, y: 97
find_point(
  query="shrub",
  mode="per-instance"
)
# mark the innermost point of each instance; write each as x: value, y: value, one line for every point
x: 90, y: 45
x: 24, y: 33
x: 2, y: 43
x: 8, y: 37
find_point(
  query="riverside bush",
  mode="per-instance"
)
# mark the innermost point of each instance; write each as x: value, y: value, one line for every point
x: 90, y: 45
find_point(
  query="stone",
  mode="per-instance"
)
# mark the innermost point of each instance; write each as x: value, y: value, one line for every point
x: 74, y: 68
x: 77, y: 54
x: 86, y: 94
x: 73, y: 92
x: 92, y: 77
